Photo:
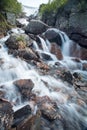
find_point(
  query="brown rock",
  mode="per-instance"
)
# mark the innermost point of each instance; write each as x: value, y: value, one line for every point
x: 41, y: 65
x: 47, y: 107
x: 79, y: 37
x: 19, y: 41
x: 49, y: 111
x: 55, y: 49
x: 6, y: 115
x: 25, y: 86
x: 83, y: 53
x: 1, y: 35
x: 27, y: 54
x: 78, y: 51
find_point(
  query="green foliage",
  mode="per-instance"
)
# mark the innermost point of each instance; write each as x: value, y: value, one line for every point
x: 82, y: 5
x: 52, y: 6
x: 3, y: 23
x: 20, y: 38
x: 11, y: 6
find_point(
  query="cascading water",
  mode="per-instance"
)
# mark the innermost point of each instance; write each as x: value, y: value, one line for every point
x: 45, y: 50
x: 12, y: 69
x: 65, y: 44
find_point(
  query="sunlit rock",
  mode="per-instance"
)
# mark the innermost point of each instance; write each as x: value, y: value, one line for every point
x: 41, y: 65
x: 17, y: 41
x: 25, y: 87
x: 27, y: 54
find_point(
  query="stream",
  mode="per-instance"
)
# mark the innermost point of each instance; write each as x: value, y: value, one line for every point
x: 63, y: 94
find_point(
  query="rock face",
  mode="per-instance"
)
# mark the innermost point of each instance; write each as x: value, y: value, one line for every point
x: 6, y: 115
x: 78, y: 51
x: 36, y: 27
x: 71, y: 18
x: 79, y: 37
x: 25, y: 86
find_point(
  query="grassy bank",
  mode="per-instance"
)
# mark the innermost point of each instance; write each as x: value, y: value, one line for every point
x: 51, y: 6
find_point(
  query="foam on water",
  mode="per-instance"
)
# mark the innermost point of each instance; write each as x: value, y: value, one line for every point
x: 22, y: 21
x: 12, y: 69
x: 44, y: 45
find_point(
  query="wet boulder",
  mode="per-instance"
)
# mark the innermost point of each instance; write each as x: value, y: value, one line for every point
x: 55, y: 49
x: 47, y: 107
x: 21, y: 114
x: 27, y: 54
x: 25, y: 87
x: 53, y: 35
x: 45, y: 56
x: 42, y: 65
x: 25, y: 120
x: 17, y: 41
x: 49, y: 111
x: 67, y: 76
x: 6, y: 115
x: 80, y: 78
x: 36, y: 27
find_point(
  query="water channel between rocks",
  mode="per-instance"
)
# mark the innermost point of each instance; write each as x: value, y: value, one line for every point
x: 63, y: 94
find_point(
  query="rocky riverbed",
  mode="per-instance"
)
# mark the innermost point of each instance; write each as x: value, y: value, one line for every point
x: 43, y: 80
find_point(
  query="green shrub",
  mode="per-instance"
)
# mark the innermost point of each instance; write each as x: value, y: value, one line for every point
x: 52, y: 6
x: 21, y: 38
x: 4, y: 24
x: 11, y: 6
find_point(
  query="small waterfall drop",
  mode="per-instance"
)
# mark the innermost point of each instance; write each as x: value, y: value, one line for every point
x: 65, y: 41
x: 44, y: 45
x: 65, y: 44
x: 64, y: 95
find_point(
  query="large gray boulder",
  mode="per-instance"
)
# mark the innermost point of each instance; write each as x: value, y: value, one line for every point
x: 18, y: 41
x: 36, y: 27
x: 53, y: 35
